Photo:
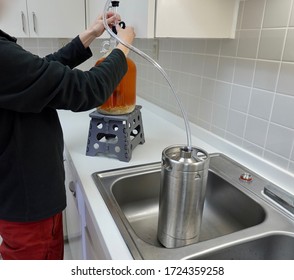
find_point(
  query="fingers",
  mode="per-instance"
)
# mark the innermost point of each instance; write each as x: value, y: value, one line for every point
x: 111, y: 17
x: 113, y: 20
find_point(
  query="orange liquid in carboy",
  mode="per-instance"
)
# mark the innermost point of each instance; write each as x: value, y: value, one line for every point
x: 123, y: 99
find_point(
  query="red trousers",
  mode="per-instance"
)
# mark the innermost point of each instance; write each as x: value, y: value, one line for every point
x: 42, y: 240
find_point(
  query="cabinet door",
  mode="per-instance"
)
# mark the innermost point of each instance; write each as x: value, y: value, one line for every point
x: 196, y: 18
x: 94, y: 245
x: 55, y: 18
x: 14, y: 19
x: 73, y: 216
x: 139, y: 14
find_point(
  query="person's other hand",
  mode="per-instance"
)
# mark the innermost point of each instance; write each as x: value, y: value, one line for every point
x: 127, y: 35
x: 97, y: 28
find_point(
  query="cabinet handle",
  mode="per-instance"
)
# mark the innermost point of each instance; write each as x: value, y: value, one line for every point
x: 35, y: 22
x: 72, y: 188
x: 23, y: 22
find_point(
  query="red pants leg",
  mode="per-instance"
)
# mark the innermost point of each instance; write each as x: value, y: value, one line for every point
x: 42, y: 240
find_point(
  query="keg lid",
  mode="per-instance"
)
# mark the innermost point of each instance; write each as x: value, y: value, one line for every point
x: 184, y: 159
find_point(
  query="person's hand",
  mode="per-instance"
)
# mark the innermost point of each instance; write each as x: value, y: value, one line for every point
x: 127, y: 35
x: 97, y: 28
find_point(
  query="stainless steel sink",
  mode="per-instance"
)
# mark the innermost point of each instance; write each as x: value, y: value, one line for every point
x: 239, y: 222
x: 275, y: 247
x: 226, y: 208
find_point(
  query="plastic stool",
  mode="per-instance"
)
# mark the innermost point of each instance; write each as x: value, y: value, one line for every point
x: 115, y: 136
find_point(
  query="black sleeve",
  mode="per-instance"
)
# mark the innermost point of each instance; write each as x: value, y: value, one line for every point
x: 29, y: 83
x: 72, y: 55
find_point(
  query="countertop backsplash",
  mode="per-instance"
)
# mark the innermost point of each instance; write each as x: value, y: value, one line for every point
x: 241, y: 89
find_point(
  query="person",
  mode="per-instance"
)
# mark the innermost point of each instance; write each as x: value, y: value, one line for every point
x: 32, y: 89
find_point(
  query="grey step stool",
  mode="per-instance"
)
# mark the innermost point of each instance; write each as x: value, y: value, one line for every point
x: 115, y: 136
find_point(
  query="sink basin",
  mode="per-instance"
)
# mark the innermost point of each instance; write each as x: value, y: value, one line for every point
x: 239, y: 222
x: 226, y: 208
x: 276, y: 247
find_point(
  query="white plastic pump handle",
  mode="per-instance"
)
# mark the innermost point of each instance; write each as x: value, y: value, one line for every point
x: 160, y: 69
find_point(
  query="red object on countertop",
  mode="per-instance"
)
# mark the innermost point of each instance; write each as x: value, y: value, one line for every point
x: 42, y: 240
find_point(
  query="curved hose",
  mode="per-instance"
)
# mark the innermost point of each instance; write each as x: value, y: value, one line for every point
x: 160, y: 69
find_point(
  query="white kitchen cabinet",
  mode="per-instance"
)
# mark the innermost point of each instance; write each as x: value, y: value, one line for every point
x: 84, y: 238
x: 14, y: 19
x: 55, y: 18
x: 75, y: 219
x: 196, y: 18
x: 139, y: 14
x: 44, y: 18
x: 94, y: 245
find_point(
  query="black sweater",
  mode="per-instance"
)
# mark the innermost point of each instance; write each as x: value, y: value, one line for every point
x: 31, y: 140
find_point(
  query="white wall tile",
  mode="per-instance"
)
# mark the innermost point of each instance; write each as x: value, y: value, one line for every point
x: 165, y: 59
x: 283, y: 111
x: 30, y: 43
x: 286, y: 80
x: 271, y: 44
x: 213, y: 46
x: 188, y: 45
x: 256, y: 130
x: 176, y: 60
x: 240, y: 98
x: 244, y: 71
x: 198, y: 62
x: 199, y: 46
x: 42, y: 52
x: 292, y: 18
x: 280, y: 140
x: 193, y: 108
x: 253, y: 13
x: 289, y: 48
x: 266, y: 75
x: 261, y: 103
x: 205, y: 110
x: 277, y: 13
x: 186, y: 63
x: 226, y: 69
x: 222, y: 94
x: 248, y: 43
x: 229, y: 46
x: 207, y: 91
x: 195, y: 86
x: 210, y: 68
x: 220, y: 116
x: 236, y: 123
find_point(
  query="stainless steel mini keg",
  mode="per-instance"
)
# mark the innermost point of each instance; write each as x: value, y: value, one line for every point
x: 183, y: 184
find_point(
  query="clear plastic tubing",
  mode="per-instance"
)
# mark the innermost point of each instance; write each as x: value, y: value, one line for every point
x: 160, y: 69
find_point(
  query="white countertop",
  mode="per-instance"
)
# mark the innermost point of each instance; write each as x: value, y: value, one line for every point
x: 162, y: 129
